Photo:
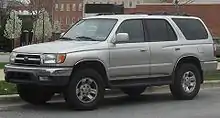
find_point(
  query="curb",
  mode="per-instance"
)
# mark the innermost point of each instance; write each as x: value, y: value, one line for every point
x: 207, y: 84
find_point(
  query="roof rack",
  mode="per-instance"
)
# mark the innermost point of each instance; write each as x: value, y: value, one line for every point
x: 108, y: 14
x: 162, y: 13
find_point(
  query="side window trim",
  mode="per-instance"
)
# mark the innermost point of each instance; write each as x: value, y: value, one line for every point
x: 167, y: 24
x: 172, y: 29
x: 143, y: 28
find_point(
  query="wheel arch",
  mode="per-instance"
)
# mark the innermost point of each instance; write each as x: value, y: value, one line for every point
x: 95, y: 64
x: 189, y: 59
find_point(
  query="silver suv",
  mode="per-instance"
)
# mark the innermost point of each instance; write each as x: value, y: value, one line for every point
x: 129, y: 52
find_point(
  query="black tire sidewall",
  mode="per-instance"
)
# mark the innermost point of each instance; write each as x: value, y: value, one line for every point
x: 70, y: 94
x: 178, y: 81
x: 34, y: 94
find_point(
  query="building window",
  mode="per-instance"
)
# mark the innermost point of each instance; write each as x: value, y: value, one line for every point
x: 60, y: 20
x: 62, y: 7
x: 73, y: 20
x: 74, y: 7
x: 80, y: 7
x: 130, y: 4
x: 56, y: 7
x: 68, y: 20
x: 67, y: 7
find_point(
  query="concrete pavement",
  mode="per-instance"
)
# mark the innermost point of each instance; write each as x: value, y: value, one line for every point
x: 4, y: 58
x: 153, y: 105
x: 2, y: 75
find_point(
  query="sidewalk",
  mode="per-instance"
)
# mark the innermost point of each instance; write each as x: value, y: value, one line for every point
x: 4, y: 57
x: 2, y: 76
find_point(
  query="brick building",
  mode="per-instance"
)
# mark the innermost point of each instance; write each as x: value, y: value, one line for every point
x: 70, y: 11
x: 208, y: 12
x: 67, y: 12
x: 64, y: 11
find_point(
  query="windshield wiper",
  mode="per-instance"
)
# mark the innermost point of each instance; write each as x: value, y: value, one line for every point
x: 66, y: 38
x: 85, y: 37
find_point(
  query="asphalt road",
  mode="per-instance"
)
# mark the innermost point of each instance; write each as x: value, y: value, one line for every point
x: 157, y: 105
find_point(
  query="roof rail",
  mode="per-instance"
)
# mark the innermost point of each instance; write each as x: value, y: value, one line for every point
x: 138, y: 13
x: 162, y: 13
x: 170, y: 13
x: 105, y: 14
x: 108, y: 14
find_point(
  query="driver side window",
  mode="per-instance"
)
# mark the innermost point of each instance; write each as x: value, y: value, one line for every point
x: 135, y: 30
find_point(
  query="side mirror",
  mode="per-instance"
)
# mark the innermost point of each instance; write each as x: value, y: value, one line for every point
x: 121, y: 37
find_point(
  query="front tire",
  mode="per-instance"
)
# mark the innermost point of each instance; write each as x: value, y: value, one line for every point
x: 186, y: 83
x: 85, y: 90
x: 34, y: 94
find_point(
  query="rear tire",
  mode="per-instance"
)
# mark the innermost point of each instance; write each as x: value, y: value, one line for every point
x: 85, y: 90
x: 34, y: 94
x: 134, y: 91
x: 186, y: 83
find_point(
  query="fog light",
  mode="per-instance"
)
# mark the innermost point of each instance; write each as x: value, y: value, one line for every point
x: 44, y: 78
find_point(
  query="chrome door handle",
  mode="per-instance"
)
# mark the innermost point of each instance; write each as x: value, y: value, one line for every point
x: 143, y: 50
x: 177, y: 49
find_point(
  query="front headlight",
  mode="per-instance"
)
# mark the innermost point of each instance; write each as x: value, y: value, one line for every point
x: 12, y: 57
x: 54, y: 58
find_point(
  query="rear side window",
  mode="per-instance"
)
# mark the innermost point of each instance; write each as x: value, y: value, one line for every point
x: 192, y: 29
x: 159, y: 30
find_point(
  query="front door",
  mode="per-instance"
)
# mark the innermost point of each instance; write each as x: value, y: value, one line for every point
x: 130, y: 60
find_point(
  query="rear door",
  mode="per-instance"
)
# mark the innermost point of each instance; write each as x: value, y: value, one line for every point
x: 163, y: 46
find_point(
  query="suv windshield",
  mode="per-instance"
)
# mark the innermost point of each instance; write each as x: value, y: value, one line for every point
x: 90, y: 30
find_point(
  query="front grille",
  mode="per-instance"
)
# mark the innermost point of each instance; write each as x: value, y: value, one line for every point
x: 27, y: 59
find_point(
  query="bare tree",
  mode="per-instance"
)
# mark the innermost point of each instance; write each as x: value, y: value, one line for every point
x: 178, y: 4
x: 35, y: 8
x: 6, y: 6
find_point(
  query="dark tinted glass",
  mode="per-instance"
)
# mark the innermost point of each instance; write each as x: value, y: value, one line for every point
x: 159, y: 30
x: 192, y: 29
x: 135, y: 30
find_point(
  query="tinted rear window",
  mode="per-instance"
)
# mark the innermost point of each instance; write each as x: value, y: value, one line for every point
x: 192, y: 29
x: 159, y: 30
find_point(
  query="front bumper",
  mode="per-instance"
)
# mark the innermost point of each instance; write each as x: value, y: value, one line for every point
x: 48, y: 76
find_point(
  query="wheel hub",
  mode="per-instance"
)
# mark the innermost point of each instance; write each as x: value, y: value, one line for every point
x: 189, y: 81
x: 86, y: 90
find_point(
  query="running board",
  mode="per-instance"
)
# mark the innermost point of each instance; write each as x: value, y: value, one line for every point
x: 157, y: 81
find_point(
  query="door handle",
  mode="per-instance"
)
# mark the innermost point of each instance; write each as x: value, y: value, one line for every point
x: 177, y: 49
x: 143, y: 50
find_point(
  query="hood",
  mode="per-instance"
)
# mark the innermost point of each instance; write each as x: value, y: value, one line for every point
x: 55, y: 47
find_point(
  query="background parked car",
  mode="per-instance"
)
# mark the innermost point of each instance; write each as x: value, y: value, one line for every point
x: 217, y: 42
